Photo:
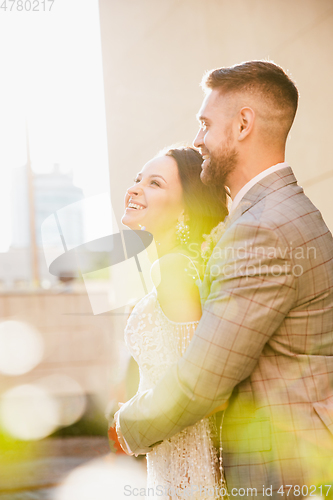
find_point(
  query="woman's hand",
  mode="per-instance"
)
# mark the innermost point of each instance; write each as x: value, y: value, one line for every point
x: 219, y: 408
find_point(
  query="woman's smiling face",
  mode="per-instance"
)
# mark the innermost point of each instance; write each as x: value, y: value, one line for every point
x: 155, y: 200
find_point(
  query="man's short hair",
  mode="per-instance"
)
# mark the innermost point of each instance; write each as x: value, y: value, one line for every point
x: 263, y: 78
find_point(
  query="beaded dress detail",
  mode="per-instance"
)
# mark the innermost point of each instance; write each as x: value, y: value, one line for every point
x: 186, y: 465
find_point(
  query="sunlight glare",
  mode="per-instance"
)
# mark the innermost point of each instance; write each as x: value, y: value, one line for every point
x: 52, y: 80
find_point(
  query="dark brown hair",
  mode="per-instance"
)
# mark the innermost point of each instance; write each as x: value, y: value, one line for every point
x: 261, y: 77
x: 205, y: 205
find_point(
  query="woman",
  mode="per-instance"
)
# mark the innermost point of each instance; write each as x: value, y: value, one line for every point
x: 169, y: 200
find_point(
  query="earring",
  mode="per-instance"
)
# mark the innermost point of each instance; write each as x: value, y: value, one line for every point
x: 182, y: 231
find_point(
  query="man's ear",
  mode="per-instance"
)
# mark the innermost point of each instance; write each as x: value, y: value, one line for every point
x: 246, y: 122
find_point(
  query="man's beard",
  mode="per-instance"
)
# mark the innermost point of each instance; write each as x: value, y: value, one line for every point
x: 221, y: 165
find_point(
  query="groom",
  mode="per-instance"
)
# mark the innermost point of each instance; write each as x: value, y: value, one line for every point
x: 265, y: 340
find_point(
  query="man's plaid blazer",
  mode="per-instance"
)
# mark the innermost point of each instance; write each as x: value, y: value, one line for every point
x: 265, y: 343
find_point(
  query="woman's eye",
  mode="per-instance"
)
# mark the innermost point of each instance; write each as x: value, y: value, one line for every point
x: 136, y: 180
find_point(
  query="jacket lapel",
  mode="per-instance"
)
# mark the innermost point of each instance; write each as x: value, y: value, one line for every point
x: 269, y: 184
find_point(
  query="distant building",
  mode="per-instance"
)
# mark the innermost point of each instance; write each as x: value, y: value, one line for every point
x: 52, y: 192
x: 20, y: 208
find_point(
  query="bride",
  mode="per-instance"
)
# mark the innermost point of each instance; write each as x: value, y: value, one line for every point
x: 169, y: 200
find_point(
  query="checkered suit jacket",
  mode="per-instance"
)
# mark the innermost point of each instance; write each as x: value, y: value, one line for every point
x: 265, y: 343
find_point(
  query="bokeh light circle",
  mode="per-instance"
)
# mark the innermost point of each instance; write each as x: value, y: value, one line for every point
x: 103, y: 479
x: 21, y: 347
x: 68, y: 395
x: 28, y: 412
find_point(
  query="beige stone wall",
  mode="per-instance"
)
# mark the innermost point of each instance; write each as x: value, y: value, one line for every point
x: 155, y: 53
x: 76, y: 343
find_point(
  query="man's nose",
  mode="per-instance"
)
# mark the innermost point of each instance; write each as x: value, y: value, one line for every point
x: 198, y: 140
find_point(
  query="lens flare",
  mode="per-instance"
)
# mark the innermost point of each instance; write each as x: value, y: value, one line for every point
x: 28, y: 412
x: 112, y: 477
x: 21, y: 348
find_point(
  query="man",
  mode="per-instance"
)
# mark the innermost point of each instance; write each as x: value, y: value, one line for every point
x: 265, y: 340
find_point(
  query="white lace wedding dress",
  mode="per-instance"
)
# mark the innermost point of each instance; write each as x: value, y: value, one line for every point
x: 186, y: 465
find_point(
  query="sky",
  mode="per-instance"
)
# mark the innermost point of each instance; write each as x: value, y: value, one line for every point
x: 51, y: 80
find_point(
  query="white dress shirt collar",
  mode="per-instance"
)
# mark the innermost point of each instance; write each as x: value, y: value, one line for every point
x: 254, y: 181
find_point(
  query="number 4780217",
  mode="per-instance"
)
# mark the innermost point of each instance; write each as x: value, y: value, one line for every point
x: 304, y: 491
x: 26, y: 5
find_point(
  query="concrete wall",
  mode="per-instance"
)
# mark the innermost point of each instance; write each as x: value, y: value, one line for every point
x: 154, y: 56
x: 76, y: 343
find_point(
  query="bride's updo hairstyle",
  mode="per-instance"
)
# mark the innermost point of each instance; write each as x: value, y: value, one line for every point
x: 205, y: 206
